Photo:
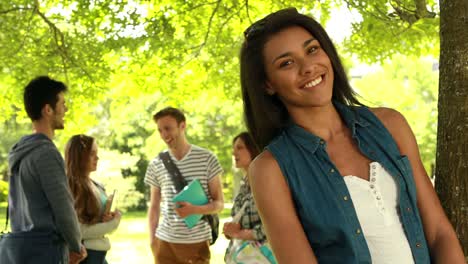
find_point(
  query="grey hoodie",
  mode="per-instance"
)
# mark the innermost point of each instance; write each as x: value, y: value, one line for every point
x: 40, y: 199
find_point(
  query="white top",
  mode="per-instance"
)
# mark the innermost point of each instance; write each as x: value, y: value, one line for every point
x: 94, y: 235
x: 376, y: 205
x: 198, y: 163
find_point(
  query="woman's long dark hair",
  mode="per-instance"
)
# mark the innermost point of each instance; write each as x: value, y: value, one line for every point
x: 77, y: 154
x: 266, y: 115
x: 249, y: 144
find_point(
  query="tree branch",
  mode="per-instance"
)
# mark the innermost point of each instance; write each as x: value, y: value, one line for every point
x: 14, y: 9
x: 60, y: 42
x: 411, y: 16
x: 205, y: 39
x: 422, y: 11
x: 59, y: 38
x: 28, y: 29
x: 247, y: 10
x: 228, y: 19
x: 204, y: 4
x: 383, y: 16
x: 405, y: 14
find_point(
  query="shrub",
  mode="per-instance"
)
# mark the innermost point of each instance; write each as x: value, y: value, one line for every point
x: 3, y: 191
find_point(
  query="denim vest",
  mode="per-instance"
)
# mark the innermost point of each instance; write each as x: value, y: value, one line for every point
x: 320, y: 195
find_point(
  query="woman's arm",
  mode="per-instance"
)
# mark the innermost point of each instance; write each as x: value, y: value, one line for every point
x: 441, y: 238
x: 100, y: 229
x: 233, y: 230
x: 282, y: 226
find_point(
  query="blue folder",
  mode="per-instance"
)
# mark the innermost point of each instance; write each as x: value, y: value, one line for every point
x: 194, y: 194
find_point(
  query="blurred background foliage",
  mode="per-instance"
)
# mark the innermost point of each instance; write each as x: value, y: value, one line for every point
x: 124, y: 60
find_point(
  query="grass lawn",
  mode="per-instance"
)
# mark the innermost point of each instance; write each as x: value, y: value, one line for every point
x: 130, y: 242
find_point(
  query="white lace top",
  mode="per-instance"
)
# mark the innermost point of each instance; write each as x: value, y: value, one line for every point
x: 376, y: 204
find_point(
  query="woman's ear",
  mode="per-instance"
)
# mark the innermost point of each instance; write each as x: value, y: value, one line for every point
x: 269, y: 88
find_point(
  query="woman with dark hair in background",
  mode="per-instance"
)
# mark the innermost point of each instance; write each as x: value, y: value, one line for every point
x: 247, y: 226
x: 81, y: 157
x: 338, y: 182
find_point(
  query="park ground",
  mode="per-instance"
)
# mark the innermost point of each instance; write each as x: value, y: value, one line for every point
x: 130, y: 243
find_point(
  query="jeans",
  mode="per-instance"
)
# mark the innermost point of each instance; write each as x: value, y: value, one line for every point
x: 31, y: 247
x: 95, y: 257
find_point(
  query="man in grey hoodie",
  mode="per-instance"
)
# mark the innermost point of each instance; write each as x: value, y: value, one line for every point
x: 40, y: 199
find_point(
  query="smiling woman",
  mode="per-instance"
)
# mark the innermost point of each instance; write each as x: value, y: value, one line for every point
x: 299, y: 71
x: 348, y: 181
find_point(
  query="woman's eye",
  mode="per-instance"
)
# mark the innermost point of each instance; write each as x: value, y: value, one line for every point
x: 285, y: 63
x: 313, y: 49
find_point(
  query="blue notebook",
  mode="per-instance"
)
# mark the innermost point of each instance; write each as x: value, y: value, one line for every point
x: 194, y: 194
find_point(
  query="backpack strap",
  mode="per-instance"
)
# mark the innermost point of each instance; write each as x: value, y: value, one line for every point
x: 176, y: 176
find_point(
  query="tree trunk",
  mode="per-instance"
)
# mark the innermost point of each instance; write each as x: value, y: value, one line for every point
x: 452, y: 136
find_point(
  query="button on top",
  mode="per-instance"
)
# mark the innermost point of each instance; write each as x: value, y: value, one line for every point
x: 418, y: 245
x: 358, y: 231
x: 345, y: 198
x: 332, y: 170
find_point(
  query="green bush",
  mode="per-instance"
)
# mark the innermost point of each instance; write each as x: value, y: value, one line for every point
x: 127, y: 197
x: 3, y: 191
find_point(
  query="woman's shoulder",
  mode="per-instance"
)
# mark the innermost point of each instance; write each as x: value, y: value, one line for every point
x: 390, y: 117
x: 265, y: 158
x: 395, y: 122
x: 264, y: 165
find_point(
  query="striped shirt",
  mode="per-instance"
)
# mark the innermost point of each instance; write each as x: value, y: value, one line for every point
x: 199, y: 164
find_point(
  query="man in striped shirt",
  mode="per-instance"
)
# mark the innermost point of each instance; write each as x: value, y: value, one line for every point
x: 171, y: 240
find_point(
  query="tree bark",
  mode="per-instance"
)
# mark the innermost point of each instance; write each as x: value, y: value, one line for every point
x: 452, y: 137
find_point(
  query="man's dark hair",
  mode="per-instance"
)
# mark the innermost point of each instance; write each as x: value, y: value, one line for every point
x: 170, y: 111
x: 266, y: 115
x: 40, y: 91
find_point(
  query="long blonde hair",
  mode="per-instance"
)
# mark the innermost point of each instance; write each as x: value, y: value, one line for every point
x: 77, y: 153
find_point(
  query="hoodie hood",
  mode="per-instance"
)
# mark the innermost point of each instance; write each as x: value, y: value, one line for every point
x: 25, y: 146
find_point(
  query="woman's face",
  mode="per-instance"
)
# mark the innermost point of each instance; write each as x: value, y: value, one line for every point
x: 298, y: 70
x: 93, y: 158
x: 241, y: 154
